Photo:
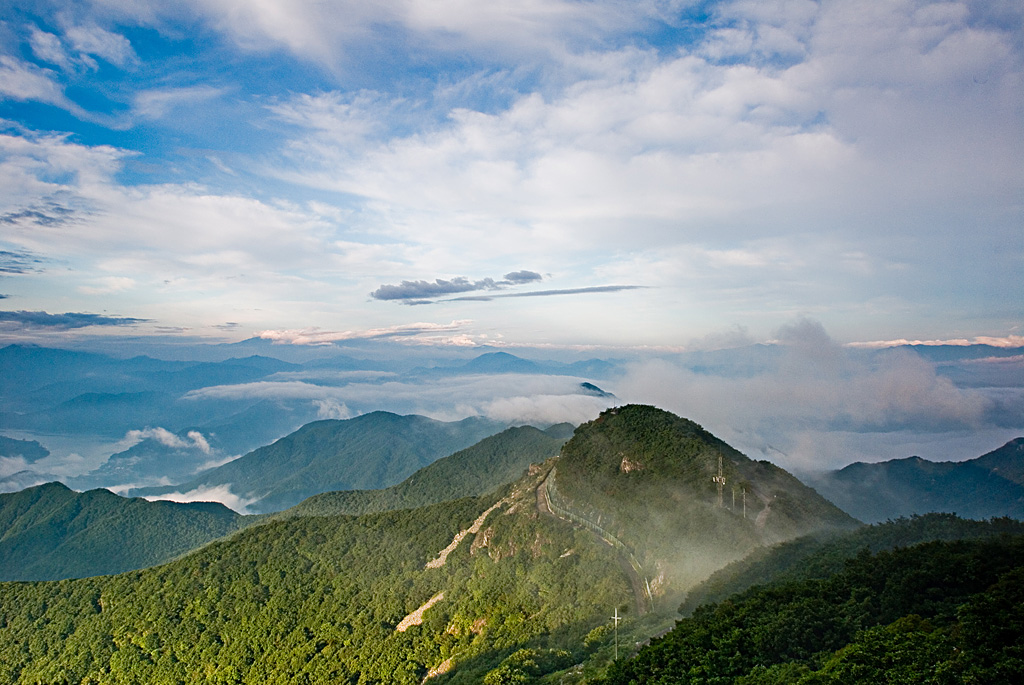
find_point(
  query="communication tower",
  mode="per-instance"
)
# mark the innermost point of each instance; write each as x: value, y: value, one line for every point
x: 719, y: 480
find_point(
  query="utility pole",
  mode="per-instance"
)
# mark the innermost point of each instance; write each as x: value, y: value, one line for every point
x: 719, y: 480
x: 744, y: 503
x: 616, y: 618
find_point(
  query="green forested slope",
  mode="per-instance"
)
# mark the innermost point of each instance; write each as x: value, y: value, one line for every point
x: 476, y: 470
x: 937, y: 612
x: 320, y: 599
x: 523, y: 596
x: 820, y: 555
x: 375, y: 450
x: 52, y: 532
x: 647, y: 476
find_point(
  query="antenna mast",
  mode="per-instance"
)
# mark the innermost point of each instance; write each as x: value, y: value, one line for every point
x: 616, y: 618
x: 719, y: 480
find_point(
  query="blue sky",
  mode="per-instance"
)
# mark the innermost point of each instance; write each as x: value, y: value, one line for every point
x: 539, y: 172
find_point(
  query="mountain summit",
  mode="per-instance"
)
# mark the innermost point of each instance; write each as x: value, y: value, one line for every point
x: 682, y: 501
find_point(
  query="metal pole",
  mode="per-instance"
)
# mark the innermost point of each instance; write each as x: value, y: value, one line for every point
x: 616, y: 618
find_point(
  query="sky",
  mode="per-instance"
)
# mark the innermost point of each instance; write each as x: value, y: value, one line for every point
x: 661, y: 173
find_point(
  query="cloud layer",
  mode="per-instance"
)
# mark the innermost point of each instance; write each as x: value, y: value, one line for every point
x: 218, y: 493
x: 820, y: 405
x: 699, y: 166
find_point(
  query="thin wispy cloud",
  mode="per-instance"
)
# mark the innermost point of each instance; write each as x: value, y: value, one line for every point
x: 315, y: 336
x: 513, y: 398
x: 546, y: 293
x: 98, y: 42
x: 218, y: 493
x: 422, y: 292
x: 819, y: 405
x: 49, y: 215
x: 66, y: 321
x: 1009, y: 341
x: 158, y: 103
x: 17, y: 262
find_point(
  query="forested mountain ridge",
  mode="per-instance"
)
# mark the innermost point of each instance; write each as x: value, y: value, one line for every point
x: 371, y: 451
x: 490, y: 589
x: 484, y: 589
x: 51, y: 532
x: 474, y: 471
x: 652, y: 479
x: 947, y: 610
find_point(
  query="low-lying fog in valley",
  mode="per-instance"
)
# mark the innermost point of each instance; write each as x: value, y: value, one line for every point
x: 803, y: 402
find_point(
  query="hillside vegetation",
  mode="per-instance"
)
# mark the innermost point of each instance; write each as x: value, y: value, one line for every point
x: 320, y: 600
x: 519, y: 585
x: 648, y: 477
x: 51, y: 532
x: 937, y: 612
x: 375, y: 450
x: 476, y: 470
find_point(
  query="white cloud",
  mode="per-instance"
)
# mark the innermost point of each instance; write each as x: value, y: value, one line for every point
x: 283, y: 390
x: 515, y: 398
x: 330, y: 409
x: 878, y: 142
x: 165, y: 437
x: 12, y: 465
x: 199, y: 442
x: 158, y: 103
x: 23, y: 81
x: 123, y: 488
x: 213, y: 463
x: 328, y: 32
x: 867, y: 119
x: 107, y: 285
x: 545, y: 409
x: 48, y: 47
x: 994, y: 341
x: 200, y: 252
x: 93, y: 40
x: 817, y: 388
x: 219, y: 493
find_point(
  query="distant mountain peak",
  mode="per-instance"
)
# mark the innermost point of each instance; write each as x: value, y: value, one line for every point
x: 591, y: 389
x: 501, y: 362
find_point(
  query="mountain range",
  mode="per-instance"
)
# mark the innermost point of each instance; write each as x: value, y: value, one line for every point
x: 138, y: 421
x: 405, y: 585
x: 50, y: 532
x: 990, y: 485
x: 371, y: 451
